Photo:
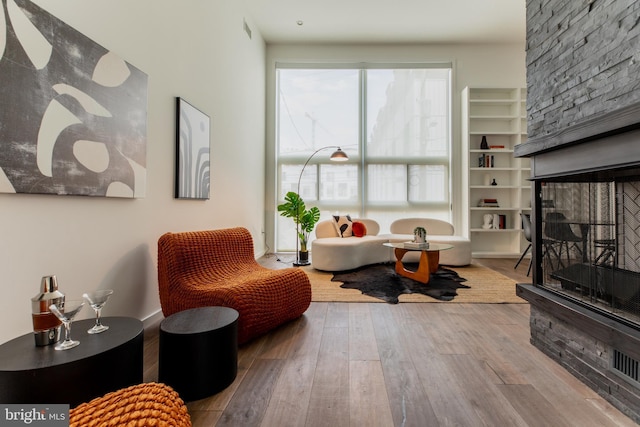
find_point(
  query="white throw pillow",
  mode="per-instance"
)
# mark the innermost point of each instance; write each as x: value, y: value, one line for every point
x: 343, y: 225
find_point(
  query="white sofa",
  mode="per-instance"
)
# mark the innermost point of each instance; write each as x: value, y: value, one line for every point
x: 330, y: 252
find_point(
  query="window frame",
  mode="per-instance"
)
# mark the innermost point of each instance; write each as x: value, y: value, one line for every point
x: 361, y: 206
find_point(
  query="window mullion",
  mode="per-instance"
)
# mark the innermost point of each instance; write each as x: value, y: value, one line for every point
x: 363, y: 142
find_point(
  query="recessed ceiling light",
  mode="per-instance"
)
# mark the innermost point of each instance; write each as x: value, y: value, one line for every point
x: 300, y: 22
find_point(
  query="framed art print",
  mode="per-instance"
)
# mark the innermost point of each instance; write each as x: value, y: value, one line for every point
x: 192, y: 152
x: 73, y: 114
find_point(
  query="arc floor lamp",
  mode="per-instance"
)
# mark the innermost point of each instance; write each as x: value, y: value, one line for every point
x: 336, y: 156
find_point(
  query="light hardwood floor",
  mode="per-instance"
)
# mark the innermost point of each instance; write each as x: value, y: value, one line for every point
x: 421, y: 364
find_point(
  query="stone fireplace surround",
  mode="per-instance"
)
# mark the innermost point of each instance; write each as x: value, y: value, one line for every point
x: 583, y: 116
x: 580, y: 337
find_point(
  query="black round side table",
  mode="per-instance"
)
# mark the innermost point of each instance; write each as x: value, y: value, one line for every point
x: 30, y: 374
x: 198, y: 351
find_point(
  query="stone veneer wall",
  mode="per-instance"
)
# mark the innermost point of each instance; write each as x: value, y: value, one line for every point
x: 583, y: 60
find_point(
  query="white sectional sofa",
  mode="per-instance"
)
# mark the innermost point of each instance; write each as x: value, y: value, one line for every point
x: 330, y: 252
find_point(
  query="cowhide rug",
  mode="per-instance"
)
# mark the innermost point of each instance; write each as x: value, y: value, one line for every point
x: 381, y: 281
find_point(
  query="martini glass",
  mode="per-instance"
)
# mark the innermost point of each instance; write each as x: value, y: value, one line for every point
x: 97, y: 300
x: 66, y: 311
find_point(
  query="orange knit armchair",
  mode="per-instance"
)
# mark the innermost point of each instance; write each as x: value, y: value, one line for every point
x: 218, y: 268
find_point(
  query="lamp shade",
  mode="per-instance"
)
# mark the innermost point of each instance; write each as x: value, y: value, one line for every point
x: 339, y: 156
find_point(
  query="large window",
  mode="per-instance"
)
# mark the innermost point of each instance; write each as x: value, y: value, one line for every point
x: 393, y: 122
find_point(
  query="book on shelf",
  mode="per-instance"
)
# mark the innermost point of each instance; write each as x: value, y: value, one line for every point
x: 496, y: 147
x: 486, y: 161
x: 488, y: 203
x: 416, y: 245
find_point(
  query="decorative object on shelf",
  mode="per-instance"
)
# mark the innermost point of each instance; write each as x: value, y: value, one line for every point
x: 494, y: 182
x: 488, y: 220
x: 66, y: 311
x: 484, y: 145
x: 496, y: 222
x: 97, y: 300
x: 46, y: 326
x: 193, y: 159
x: 294, y: 208
x: 419, y: 235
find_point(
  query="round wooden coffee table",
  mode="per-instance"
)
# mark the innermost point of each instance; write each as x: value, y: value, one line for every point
x: 429, y: 260
x: 198, y: 353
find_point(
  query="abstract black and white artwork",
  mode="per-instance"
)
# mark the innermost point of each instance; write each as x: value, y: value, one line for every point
x: 192, y: 152
x: 73, y: 115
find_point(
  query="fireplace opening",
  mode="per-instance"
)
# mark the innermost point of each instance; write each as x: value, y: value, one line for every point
x: 585, y: 293
x: 589, y: 233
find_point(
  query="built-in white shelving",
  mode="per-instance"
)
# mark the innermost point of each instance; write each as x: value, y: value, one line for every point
x: 498, y: 114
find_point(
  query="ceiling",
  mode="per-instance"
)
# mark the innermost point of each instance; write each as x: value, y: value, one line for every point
x: 389, y: 21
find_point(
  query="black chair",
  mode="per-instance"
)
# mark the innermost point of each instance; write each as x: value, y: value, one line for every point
x: 607, y: 255
x: 558, y: 233
x: 526, y: 228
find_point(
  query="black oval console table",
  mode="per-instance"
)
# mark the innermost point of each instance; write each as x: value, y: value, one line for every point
x: 101, y: 363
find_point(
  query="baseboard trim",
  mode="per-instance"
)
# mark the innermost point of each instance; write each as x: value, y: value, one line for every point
x: 153, y: 319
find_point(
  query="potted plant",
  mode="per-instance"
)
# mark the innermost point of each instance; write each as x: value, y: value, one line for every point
x: 419, y: 235
x: 304, y: 218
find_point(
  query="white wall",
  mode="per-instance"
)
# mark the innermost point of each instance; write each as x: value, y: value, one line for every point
x: 474, y: 65
x: 196, y: 50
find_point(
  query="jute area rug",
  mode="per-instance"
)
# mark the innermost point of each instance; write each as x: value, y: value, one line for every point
x: 485, y: 287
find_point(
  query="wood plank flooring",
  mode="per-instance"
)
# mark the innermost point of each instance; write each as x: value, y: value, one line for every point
x: 376, y: 364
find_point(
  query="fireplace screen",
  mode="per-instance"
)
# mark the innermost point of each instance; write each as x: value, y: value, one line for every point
x: 589, y: 234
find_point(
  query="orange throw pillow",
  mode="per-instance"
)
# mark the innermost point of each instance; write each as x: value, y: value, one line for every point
x: 358, y: 229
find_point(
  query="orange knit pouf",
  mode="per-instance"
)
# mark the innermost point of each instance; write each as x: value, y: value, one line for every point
x: 147, y: 404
